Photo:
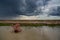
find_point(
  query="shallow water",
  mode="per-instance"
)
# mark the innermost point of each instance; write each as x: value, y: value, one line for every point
x: 30, y: 33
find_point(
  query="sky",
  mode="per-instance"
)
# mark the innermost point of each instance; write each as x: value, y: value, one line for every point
x: 29, y: 9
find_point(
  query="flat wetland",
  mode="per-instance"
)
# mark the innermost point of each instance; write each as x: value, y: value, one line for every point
x: 30, y: 33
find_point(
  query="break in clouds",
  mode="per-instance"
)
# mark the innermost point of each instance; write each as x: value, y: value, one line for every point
x: 14, y: 8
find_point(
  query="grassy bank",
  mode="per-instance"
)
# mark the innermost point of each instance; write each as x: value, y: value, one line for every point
x: 27, y: 24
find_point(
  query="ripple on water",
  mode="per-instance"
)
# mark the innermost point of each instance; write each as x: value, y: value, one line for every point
x: 30, y: 33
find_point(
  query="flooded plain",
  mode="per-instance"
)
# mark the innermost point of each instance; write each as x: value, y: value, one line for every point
x: 30, y: 33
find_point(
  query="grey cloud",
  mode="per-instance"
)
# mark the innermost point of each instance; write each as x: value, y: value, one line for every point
x: 55, y: 11
x: 13, y: 8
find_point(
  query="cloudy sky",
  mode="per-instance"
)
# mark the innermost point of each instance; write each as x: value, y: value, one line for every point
x: 29, y: 9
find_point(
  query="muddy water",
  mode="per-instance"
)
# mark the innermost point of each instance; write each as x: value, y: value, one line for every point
x: 30, y: 33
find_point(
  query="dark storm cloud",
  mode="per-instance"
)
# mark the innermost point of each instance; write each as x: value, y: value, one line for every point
x: 9, y: 8
x: 55, y: 11
x: 13, y: 8
x: 32, y: 6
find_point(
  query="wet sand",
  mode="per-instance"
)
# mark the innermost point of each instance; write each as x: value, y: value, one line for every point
x: 30, y: 33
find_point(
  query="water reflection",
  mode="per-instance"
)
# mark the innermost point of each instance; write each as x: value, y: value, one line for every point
x: 30, y: 33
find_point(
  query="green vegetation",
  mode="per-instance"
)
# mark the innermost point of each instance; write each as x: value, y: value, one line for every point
x: 5, y: 24
x: 29, y: 24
